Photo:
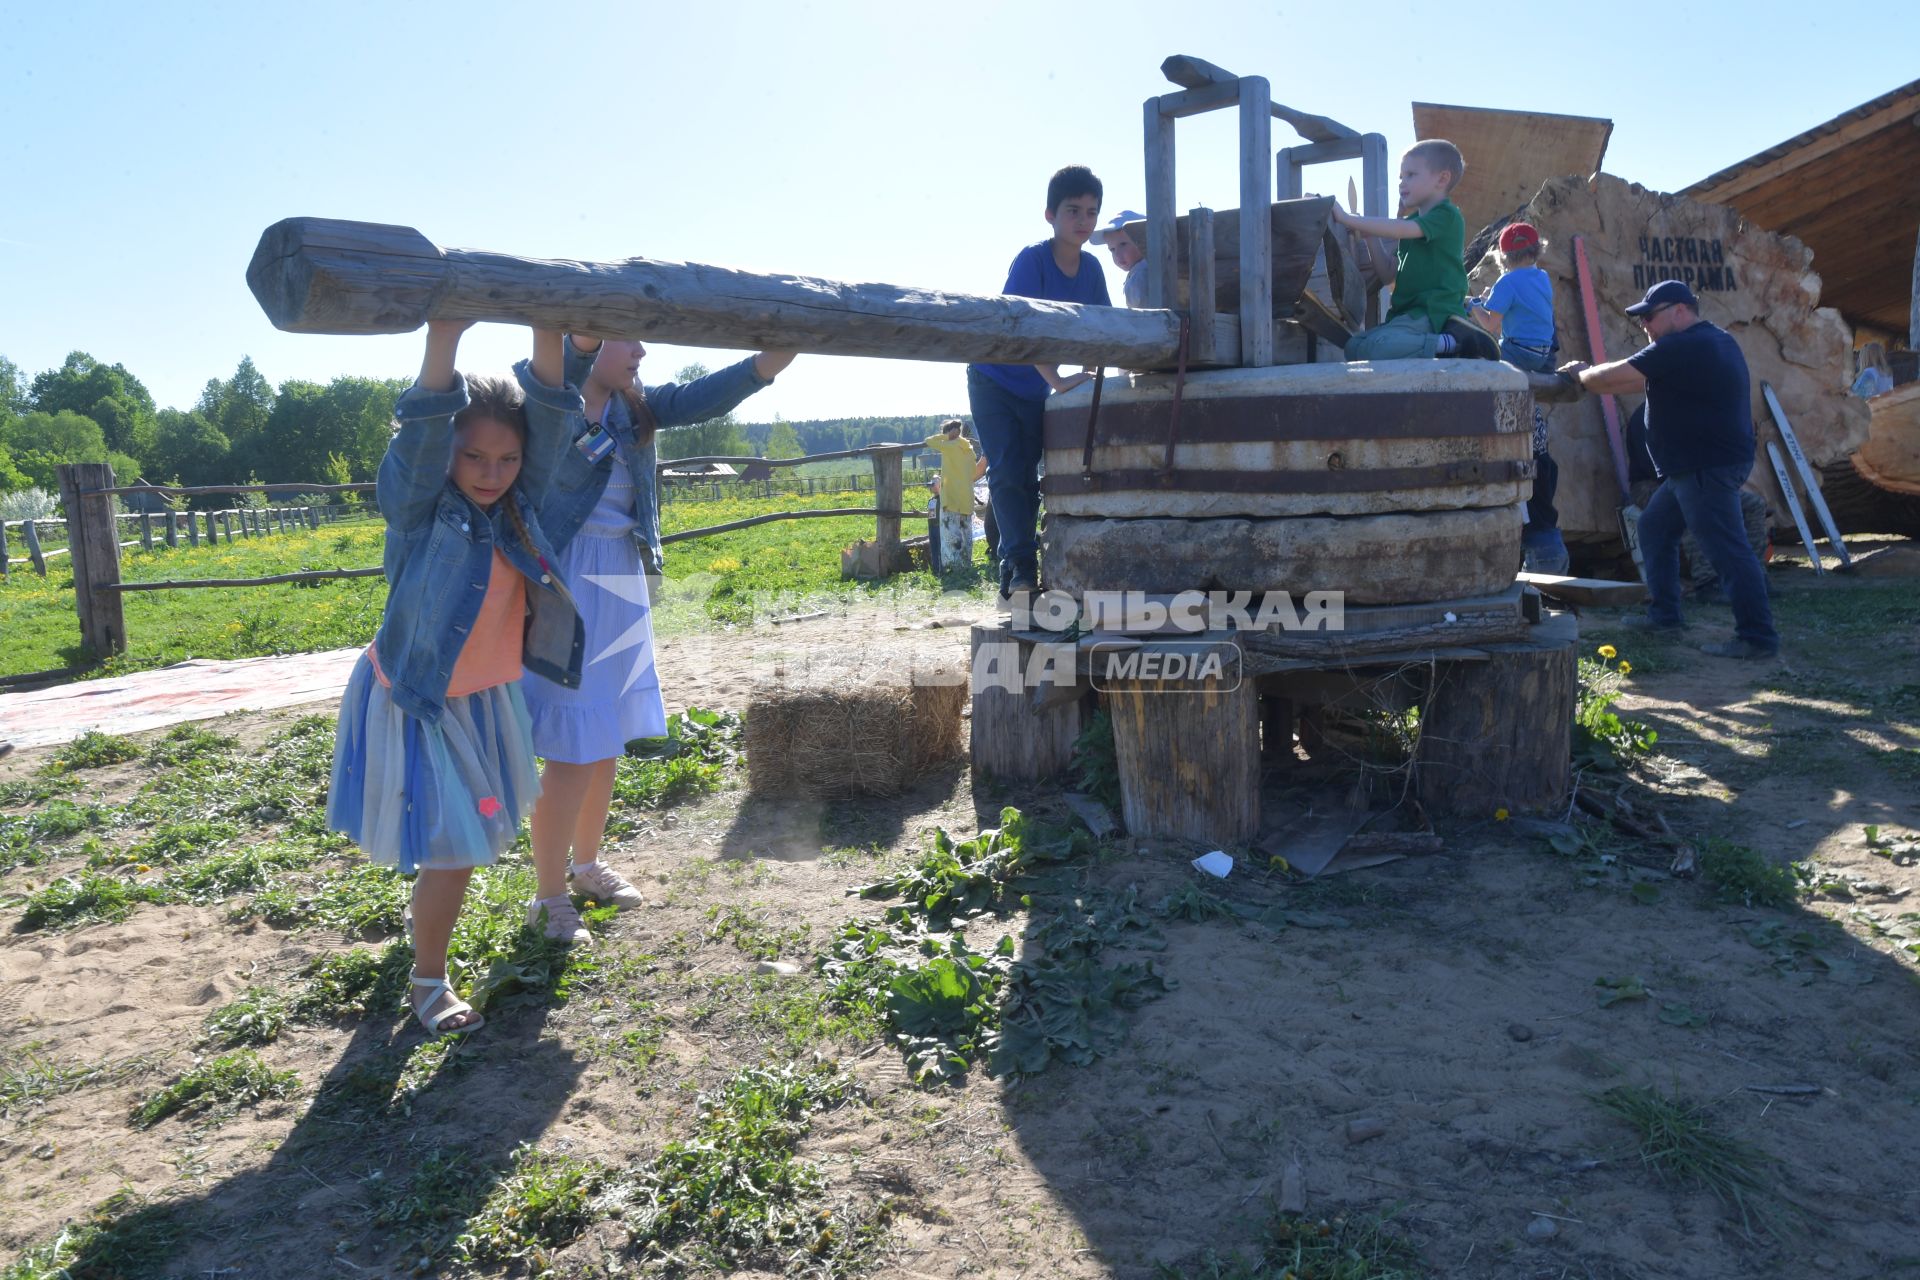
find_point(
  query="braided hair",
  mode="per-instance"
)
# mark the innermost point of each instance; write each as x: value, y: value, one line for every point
x: 501, y: 400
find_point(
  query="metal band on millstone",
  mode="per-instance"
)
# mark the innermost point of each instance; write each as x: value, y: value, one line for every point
x: 1332, y: 439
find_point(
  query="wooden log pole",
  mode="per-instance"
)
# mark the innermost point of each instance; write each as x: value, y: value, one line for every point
x: 94, y: 538
x: 226, y: 525
x: 1188, y: 750
x: 172, y: 529
x: 889, y: 491
x: 1497, y: 734
x: 1256, y: 236
x: 1014, y: 738
x: 321, y: 275
x: 193, y: 528
x: 30, y: 531
x: 1163, y: 252
x: 6, y: 569
x: 146, y: 531
x: 1200, y: 287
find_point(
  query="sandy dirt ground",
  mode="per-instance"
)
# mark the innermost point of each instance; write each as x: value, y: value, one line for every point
x: 1450, y: 998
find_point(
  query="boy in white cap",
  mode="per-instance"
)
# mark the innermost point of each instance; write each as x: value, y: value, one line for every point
x: 1127, y: 255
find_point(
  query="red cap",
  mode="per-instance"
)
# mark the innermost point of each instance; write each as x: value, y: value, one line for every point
x: 1518, y: 237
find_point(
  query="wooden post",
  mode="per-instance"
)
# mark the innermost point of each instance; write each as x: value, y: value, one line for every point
x: 1188, y: 751
x: 313, y: 519
x: 1498, y: 734
x: 226, y: 525
x: 1256, y: 231
x: 1163, y: 254
x: 5, y: 568
x: 1013, y: 737
x: 1289, y: 175
x: 34, y: 553
x: 94, y: 539
x: 173, y: 528
x: 193, y: 528
x: 213, y: 534
x: 1200, y: 286
x: 1373, y: 199
x: 146, y: 531
x: 889, y: 492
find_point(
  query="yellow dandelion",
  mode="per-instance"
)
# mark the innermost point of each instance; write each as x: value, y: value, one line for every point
x: 1608, y: 651
x: 1501, y: 815
x: 1626, y: 668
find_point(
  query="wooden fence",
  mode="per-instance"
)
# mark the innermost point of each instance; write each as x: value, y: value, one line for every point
x: 162, y: 529
x: 87, y: 491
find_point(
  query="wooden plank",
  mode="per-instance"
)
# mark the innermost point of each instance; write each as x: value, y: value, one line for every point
x: 1374, y: 179
x: 1319, y: 129
x: 1600, y: 591
x: 1163, y: 254
x: 1188, y: 754
x: 1726, y: 186
x: 186, y: 584
x: 307, y: 282
x: 1196, y: 102
x: 1497, y: 734
x: 1323, y: 152
x: 1288, y: 177
x: 34, y: 553
x: 1510, y: 153
x: 1200, y: 290
x: 1256, y: 242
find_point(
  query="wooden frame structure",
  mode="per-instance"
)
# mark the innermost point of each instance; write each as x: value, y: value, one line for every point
x: 1248, y: 339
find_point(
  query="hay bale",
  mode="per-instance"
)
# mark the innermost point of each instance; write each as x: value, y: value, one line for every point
x: 853, y: 733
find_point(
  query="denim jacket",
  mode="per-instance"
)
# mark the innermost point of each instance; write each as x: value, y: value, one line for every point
x: 578, y: 483
x: 439, y: 550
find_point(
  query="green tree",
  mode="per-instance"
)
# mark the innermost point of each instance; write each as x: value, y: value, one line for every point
x: 190, y: 449
x: 108, y: 394
x: 40, y: 442
x: 310, y: 424
x: 238, y: 407
x: 12, y: 479
x: 716, y: 437
x: 14, y: 398
x: 783, y: 441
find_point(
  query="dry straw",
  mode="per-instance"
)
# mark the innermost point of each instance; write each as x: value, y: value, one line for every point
x: 853, y: 734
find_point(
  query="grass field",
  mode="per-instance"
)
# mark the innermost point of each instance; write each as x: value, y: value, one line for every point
x: 787, y: 566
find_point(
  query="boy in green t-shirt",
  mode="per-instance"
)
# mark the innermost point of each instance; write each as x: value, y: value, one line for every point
x: 956, y: 495
x: 1429, y: 313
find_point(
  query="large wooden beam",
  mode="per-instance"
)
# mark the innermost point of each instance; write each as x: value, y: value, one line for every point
x: 322, y: 275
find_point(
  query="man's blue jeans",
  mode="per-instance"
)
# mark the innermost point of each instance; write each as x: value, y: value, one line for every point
x: 1009, y: 430
x: 1707, y: 502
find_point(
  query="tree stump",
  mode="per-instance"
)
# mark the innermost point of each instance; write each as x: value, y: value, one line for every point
x: 1188, y: 751
x: 1498, y: 734
x: 1016, y: 736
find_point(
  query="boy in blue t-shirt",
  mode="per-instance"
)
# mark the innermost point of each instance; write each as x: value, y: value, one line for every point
x: 1009, y: 400
x: 1519, y: 311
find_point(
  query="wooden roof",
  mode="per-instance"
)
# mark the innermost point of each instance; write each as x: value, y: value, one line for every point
x: 1510, y: 153
x: 1847, y: 189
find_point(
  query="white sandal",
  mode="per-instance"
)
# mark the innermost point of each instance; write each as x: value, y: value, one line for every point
x: 434, y: 1022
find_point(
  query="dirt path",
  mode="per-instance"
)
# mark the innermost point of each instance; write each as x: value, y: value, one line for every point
x: 1453, y: 999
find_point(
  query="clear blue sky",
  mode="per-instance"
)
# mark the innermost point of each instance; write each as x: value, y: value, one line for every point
x: 146, y: 147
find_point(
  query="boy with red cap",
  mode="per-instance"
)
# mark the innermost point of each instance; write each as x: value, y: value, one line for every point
x: 1519, y: 311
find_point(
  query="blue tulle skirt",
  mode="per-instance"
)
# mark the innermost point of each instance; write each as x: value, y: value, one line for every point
x: 436, y: 796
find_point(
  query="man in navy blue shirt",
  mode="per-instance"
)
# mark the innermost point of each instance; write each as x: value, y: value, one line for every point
x: 1009, y: 400
x: 1700, y: 431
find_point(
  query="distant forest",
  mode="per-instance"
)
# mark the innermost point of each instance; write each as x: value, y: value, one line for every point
x: 243, y: 429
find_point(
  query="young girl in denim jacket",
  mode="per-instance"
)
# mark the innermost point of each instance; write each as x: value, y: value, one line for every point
x: 433, y: 763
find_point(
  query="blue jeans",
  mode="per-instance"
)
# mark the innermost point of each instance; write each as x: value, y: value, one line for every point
x: 1544, y: 549
x: 1707, y: 504
x: 1009, y: 429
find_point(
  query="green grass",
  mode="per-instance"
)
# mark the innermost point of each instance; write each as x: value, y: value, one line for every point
x: 93, y: 750
x: 87, y: 898
x: 540, y: 1206
x: 1680, y: 1142
x: 1347, y: 1246
x: 230, y: 1080
x: 185, y: 742
x: 1742, y: 875
x: 428, y: 1208
x: 28, y: 1077
x: 257, y: 1017
x: 121, y: 1238
x: 358, y: 900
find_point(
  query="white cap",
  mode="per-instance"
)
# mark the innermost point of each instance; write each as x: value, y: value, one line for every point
x: 1115, y: 223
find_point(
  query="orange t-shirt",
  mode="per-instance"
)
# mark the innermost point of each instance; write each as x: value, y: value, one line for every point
x: 491, y: 655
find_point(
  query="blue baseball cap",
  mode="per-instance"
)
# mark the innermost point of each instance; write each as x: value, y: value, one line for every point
x: 1668, y: 293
